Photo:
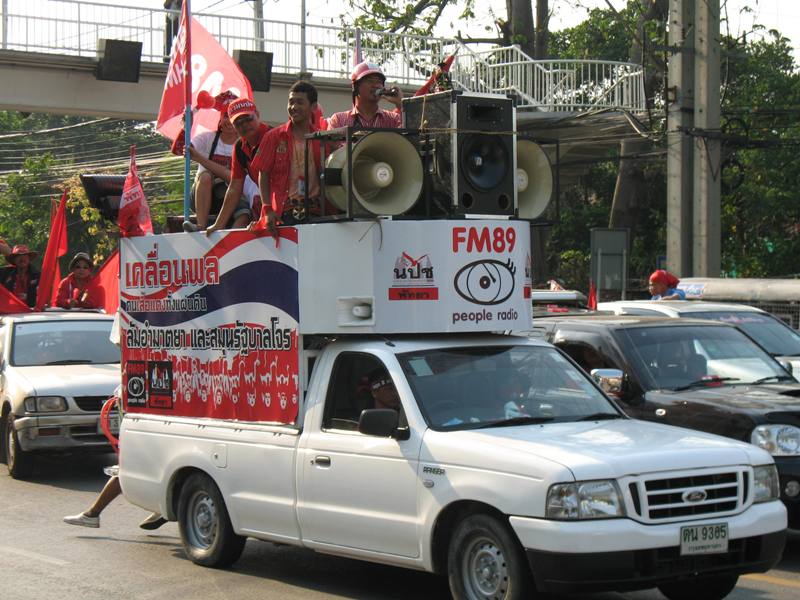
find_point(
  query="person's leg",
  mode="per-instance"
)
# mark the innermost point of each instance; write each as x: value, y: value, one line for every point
x: 91, y: 516
x: 202, y: 198
x: 242, y: 216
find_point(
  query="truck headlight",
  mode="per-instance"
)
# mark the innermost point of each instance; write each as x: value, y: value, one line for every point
x: 778, y: 440
x: 45, y: 404
x: 766, y: 483
x: 584, y: 500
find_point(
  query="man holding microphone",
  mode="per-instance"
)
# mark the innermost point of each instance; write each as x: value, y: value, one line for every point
x: 368, y: 90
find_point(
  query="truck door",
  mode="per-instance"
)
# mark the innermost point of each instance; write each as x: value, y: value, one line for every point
x: 358, y: 491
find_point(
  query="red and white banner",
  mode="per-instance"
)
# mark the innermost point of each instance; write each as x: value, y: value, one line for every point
x: 213, y: 70
x: 134, y: 214
x: 209, y: 326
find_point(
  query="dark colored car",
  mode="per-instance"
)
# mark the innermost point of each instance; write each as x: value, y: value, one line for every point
x: 690, y: 373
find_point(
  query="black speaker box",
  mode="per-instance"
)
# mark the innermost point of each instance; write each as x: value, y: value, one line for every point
x: 256, y: 66
x: 104, y: 193
x: 118, y: 60
x: 473, y: 150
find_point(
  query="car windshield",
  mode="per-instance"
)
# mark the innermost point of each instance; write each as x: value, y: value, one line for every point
x: 469, y: 388
x: 773, y: 335
x: 684, y: 356
x: 63, y: 342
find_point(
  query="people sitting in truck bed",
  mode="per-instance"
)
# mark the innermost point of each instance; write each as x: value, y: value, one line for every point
x: 79, y: 289
x: 281, y: 164
x: 244, y: 116
x: 212, y: 150
x: 21, y: 278
x: 368, y: 90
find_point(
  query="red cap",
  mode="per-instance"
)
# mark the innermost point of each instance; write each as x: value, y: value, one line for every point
x: 20, y: 250
x: 240, y: 108
x: 664, y: 277
x: 365, y: 68
x: 223, y: 100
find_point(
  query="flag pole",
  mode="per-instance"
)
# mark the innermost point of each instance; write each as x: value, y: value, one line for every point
x: 187, y: 96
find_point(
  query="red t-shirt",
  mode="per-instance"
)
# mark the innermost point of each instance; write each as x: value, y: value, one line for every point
x: 89, y: 295
x: 251, y: 152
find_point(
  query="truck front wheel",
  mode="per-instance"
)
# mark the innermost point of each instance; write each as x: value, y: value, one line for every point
x: 19, y: 462
x: 485, y: 562
x: 206, y: 532
x: 706, y: 588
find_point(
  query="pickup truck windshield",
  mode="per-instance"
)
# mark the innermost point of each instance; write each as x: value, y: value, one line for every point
x: 773, y: 335
x: 65, y: 342
x: 470, y: 388
x: 681, y: 357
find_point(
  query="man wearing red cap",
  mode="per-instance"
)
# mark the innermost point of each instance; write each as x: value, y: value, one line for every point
x: 20, y: 278
x: 368, y: 90
x: 245, y: 119
x: 281, y: 162
x: 664, y: 286
x: 212, y: 150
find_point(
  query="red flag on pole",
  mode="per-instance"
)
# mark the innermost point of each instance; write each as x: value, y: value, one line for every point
x: 56, y: 246
x: 9, y: 303
x: 107, y: 277
x: 134, y: 214
x: 62, y: 250
x: 213, y: 70
x: 592, y: 302
x: 430, y: 85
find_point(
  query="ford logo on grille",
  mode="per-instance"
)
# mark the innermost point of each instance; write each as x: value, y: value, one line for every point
x: 694, y: 496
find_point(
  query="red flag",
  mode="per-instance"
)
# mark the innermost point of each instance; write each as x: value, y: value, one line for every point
x: 56, y: 246
x: 107, y: 277
x: 213, y: 70
x: 433, y: 80
x: 134, y: 214
x: 9, y: 303
x: 592, y: 302
x: 62, y: 250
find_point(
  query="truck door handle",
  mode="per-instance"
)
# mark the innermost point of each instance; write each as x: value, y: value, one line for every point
x: 322, y: 461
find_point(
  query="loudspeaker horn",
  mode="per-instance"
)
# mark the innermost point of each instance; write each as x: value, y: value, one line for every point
x: 534, y: 180
x: 387, y: 174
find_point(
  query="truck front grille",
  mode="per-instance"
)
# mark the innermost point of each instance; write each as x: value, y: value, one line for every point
x: 689, y: 495
x: 90, y: 403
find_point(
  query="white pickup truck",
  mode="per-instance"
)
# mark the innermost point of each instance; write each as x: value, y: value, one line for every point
x: 503, y: 467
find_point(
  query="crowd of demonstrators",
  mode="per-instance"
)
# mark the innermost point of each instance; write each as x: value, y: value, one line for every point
x: 213, y: 151
x: 663, y: 285
x: 20, y: 278
x: 79, y: 289
x: 247, y: 123
x: 368, y: 83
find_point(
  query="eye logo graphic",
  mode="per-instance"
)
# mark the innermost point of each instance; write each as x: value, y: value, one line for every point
x: 486, y: 282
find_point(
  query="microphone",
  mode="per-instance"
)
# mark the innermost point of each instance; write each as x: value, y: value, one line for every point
x: 393, y: 91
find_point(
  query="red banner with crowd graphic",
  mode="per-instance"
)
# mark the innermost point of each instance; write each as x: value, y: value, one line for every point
x: 209, y: 325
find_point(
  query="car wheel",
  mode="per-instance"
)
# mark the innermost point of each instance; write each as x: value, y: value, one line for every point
x: 18, y: 461
x: 486, y: 562
x: 3, y: 420
x: 705, y: 588
x: 206, y: 532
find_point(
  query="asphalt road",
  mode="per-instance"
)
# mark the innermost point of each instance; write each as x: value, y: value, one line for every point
x: 43, y: 558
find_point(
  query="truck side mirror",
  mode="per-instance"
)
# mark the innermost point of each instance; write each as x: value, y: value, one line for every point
x: 380, y: 422
x: 611, y: 381
x: 787, y: 366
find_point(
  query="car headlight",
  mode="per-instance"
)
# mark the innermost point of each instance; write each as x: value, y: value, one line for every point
x: 584, y: 500
x: 778, y: 440
x: 766, y: 484
x: 45, y: 404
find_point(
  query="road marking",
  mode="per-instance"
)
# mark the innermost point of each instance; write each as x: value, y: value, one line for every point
x: 774, y: 580
x: 34, y: 555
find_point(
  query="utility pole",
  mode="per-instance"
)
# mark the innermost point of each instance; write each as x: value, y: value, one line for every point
x: 680, y: 118
x: 707, y: 144
x: 258, y: 15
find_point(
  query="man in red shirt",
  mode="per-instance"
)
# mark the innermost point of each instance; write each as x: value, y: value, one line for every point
x: 368, y: 90
x: 281, y: 163
x: 21, y: 278
x: 245, y: 118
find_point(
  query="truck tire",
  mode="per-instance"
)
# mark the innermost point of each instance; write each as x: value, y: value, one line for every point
x: 486, y: 562
x: 18, y: 461
x: 206, y: 532
x: 705, y: 588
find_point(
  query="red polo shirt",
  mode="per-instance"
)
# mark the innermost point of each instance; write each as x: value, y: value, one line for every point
x: 382, y: 119
x: 274, y: 157
x: 251, y: 152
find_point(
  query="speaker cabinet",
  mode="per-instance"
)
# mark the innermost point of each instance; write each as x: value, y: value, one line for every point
x: 118, y: 60
x: 104, y: 193
x: 473, y: 150
x: 256, y: 66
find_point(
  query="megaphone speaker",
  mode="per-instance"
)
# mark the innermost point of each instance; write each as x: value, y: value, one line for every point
x: 387, y: 174
x: 534, y: 179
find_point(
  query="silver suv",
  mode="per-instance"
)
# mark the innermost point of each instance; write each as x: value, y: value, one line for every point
x: 56, y: 370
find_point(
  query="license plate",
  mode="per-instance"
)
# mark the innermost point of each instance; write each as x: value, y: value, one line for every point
x: 113, y: 425
x: 704, y: 539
